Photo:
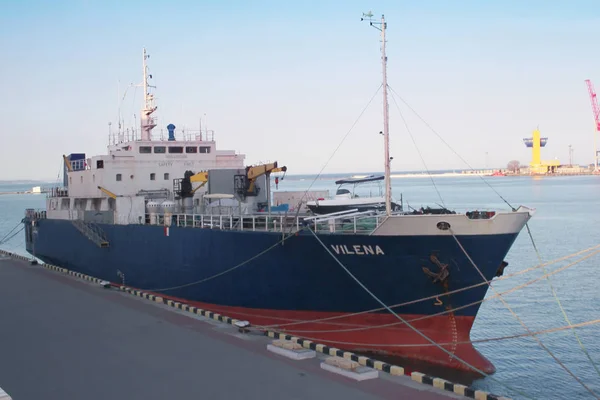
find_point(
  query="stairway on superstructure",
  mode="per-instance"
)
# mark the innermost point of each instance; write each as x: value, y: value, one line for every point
x: 92, y: 231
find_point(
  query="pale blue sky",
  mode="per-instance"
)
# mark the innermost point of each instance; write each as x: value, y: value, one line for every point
x: 285, y: 82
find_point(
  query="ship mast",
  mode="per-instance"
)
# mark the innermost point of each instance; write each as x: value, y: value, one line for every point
x: 386, y: 122
x: 147, y: 121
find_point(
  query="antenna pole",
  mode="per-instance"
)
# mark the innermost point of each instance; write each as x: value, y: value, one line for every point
x: 144, y: 74
x: 147, y: 121
x: 386, y: 121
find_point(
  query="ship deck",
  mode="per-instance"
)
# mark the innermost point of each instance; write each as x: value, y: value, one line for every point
x: 63, y: 337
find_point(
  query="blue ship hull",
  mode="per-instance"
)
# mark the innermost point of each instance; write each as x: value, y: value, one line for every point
x: 298, y: 278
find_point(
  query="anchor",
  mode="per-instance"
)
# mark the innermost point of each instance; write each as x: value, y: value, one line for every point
x: 443, y: 273
x: 500, y: 270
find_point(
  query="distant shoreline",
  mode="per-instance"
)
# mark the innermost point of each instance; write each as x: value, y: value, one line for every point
x: 334, y: 176
x: 438, y: 175
x: 20, y: 192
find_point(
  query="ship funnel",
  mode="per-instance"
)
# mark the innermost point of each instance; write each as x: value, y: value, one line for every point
x: 171, y: 129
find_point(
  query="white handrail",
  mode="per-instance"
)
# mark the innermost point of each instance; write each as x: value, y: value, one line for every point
x: 343, y: 216
x: 330, y: 214
x: 345, y: 223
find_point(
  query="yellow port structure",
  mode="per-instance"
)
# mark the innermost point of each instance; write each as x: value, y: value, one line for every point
x: 537, y: 166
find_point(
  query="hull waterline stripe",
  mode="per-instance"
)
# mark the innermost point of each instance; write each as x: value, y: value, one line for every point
x: 308, y: 344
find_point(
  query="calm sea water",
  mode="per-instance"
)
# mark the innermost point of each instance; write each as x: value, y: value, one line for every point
x: 567, y: 220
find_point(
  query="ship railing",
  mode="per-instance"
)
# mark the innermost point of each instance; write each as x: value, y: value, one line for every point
x: 346, y: 223
x: 35, y: 213
x: 57, y: 192
x: 189, y: 135
x: 122, y: 136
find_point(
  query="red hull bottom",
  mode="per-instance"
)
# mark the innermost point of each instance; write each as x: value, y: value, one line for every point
x: 372, y: 333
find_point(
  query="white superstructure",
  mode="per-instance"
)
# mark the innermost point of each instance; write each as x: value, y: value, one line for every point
x: 147, y: 165
x: 136, y: 169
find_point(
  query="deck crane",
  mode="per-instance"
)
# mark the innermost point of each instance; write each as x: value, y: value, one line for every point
x: 183, y: 187
x: 67, y: 163
x: 596, y: 112
x: 245, y: 185
x: 108, y: 192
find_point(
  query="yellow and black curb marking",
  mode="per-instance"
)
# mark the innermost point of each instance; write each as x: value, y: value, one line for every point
x: 455, y: 387
x: 17, y: 256
x: 76, y: 274
x: 180, y: 306
x: 57, y: 269
x: 389, y: 368
x: 332, y: 351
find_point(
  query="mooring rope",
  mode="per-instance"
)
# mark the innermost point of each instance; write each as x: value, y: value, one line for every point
x: 450, y: 147
x: 494, y: 339
x: 563, y: 366
x: 583, y: 348
x: 279, y: 242
x: 326, y: 319
x: 564, y: 313
x: 408, y: 324
x: 6, y: 240
x: 337, y: 148
x: 445, y: 311
x: 418, y: 150
x: 3, y: 240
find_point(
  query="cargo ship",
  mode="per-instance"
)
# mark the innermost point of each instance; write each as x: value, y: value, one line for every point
x: 174, y: 215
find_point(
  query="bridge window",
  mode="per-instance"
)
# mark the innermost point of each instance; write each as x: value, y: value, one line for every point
x: 152, y: 176
x: 191, y: 149
x: 160, y: 149
x: 145, y: 149
x: 175, y: 149
x: 99, y: 163
x: 205, y: 149
x: 118, y: 177
x: 166, y: 176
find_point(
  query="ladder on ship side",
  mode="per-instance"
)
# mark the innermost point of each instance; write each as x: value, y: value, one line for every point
x: 92, y: 231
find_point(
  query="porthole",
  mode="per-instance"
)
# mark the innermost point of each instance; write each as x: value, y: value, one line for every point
x: 443, y: 225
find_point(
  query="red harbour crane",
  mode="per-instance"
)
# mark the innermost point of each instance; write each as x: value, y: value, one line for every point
x: 596, y: 112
